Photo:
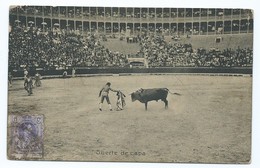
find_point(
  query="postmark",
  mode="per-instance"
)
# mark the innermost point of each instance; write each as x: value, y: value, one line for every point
x: 26, y: 136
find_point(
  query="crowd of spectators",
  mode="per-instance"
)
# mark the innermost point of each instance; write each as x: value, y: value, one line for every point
x: 128, y: 12
x: 58, y: 49
x: 160, y: 53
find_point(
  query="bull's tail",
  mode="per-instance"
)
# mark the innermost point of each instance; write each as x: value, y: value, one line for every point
x: 173, y: 92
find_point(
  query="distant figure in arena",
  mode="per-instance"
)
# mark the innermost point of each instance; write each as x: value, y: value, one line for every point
x: 104, y: 95
x: 64, y: 75
x: 37, y: 82
x: 73, y: 72
x: 28, y: 84
x: 120, y: 101
x: 25, y: 72
x: 10, y: 79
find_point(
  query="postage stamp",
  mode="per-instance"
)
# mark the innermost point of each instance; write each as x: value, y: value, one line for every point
x: 26, y: 136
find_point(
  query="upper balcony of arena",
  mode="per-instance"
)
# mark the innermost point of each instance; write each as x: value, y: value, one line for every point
x: 132, y: 15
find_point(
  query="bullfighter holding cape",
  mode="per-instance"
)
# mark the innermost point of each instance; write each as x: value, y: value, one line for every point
x: 104, y: 95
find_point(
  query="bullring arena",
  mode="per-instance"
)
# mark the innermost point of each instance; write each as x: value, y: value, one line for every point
x: 209, y: 122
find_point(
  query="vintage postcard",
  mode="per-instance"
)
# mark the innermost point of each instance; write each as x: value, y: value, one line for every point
x: 130, y: 84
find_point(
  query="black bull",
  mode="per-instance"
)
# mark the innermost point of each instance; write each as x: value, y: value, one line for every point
x: 146, y: 95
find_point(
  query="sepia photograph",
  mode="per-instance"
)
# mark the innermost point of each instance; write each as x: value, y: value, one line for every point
x: 130, y: 84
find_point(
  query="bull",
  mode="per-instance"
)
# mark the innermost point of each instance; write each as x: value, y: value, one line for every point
x: 146, y: 95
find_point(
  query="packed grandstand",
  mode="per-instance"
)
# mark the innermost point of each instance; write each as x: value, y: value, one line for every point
x: 59, y: 37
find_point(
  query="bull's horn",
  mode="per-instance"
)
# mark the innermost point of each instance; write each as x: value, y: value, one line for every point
x: 140, y: 89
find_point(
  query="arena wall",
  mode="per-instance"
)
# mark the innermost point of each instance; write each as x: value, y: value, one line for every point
x: 95, y: 71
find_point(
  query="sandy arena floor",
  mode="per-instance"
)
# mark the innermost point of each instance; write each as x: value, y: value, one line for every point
x: 210, y: 122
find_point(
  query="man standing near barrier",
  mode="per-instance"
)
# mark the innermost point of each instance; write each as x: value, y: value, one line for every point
x: 73, y: 72
x: 104, y: 95
x: 10, y: 79
x: 28, y: 84
x: 37, y: 80
x: 25, y: 72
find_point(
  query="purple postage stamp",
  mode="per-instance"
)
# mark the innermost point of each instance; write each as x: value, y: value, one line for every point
x: 26, y: 136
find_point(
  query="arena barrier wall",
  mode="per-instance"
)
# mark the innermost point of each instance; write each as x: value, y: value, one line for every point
x: 127, y: 71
